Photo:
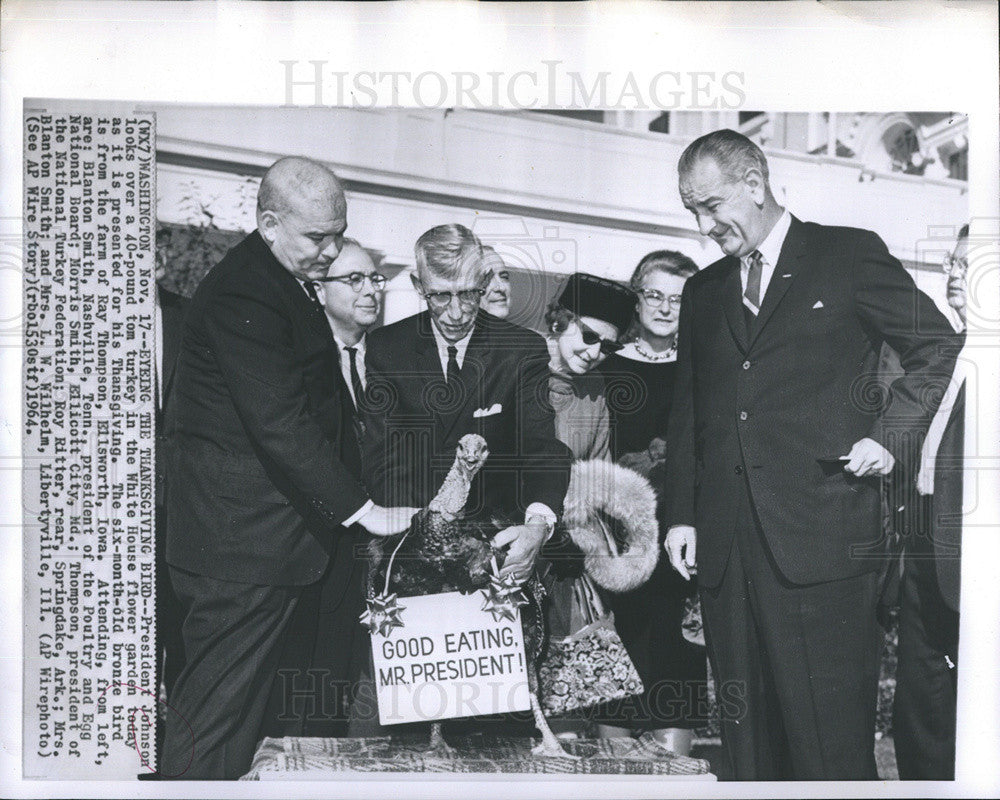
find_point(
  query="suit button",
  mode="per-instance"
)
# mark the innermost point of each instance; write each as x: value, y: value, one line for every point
x: 743, y: 416
x: 739, y: 469
x: 746, y: 365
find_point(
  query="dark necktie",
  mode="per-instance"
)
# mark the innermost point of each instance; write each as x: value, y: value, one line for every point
x: 752, y: 293
x: 453, y: 379
x: 310, y: 287
x: 356, y: 387
x: 751, y: 296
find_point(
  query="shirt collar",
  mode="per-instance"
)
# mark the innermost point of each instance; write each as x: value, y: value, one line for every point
x: 443, y: 344
x: 770, y: 248
x: 360, y: 346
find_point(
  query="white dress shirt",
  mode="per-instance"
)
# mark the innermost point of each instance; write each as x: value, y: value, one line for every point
x: 345, y: 364
x: 935, y: 432
x: 461, y: 346
x: 770, y: 250
x: 443, y: 344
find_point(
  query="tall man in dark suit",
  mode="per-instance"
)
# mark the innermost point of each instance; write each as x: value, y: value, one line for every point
x: 265, y: 479
x: 326, y: 648
x: 776, y: 452
x: 923, y: 714
x: 453, y: 370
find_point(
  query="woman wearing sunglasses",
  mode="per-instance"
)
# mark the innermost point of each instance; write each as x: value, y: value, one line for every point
x: 640, y: 380
x: 583, y: 327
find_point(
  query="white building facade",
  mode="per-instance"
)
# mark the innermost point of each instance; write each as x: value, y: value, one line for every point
x: 556, y: 193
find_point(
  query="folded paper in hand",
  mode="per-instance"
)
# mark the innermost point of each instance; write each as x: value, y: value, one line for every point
x: 496, y: 408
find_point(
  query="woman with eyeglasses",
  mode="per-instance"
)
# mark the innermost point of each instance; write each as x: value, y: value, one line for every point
x: 639, y: 384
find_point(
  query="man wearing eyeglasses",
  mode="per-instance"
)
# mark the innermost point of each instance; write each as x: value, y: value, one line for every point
x: 265, y: 481
x: 923, y: 714
x: 455, y: 369
x: 352, y: 297
x: 496, y: 300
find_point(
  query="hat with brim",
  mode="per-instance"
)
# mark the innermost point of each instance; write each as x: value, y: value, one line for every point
x: 589, y: 296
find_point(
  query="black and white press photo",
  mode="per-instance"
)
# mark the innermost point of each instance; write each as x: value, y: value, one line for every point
x: 525, y: 427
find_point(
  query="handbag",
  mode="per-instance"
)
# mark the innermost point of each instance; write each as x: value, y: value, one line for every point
x: 589, y: 666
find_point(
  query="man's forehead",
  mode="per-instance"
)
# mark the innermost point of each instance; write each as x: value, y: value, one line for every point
x: 320, y: 213
x: 703, y: 179
x: 351, y: 259
x: 469, y: 278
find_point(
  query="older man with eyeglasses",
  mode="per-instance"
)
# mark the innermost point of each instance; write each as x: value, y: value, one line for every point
x: 923, y: 714
x: 352, y: 299
x: 453, y: 370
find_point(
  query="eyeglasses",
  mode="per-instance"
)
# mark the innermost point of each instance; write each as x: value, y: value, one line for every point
x: 356, y: 280
x: 608, y: 346
x: 654, y: 299
x: 950, y: 264
x: 467, y: 298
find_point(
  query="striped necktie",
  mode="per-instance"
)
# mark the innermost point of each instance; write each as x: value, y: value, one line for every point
x: 751, y: 296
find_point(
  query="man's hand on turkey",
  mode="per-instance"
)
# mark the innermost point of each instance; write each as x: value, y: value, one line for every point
x: 382, y: 521
x: 525, y: 542
x: 680, y: 546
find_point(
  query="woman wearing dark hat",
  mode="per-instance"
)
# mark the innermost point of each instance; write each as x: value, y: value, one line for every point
x: 639, y: 384
x: 583, y: 327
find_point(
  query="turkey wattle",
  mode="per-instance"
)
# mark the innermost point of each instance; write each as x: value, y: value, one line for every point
x: 442, y: 552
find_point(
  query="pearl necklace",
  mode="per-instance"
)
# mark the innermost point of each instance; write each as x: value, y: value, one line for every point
x: 666, y: 355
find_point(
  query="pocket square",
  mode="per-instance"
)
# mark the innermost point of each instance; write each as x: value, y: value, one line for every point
x: 496, y: 408
x: 819, y: 304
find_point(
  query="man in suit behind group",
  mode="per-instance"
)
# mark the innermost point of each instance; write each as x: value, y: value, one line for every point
x: 776, y: 454
x: 923, y: 713
x: 264, y: 480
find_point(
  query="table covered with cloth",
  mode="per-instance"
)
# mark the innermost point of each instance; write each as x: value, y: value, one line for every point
x: 294, y: 758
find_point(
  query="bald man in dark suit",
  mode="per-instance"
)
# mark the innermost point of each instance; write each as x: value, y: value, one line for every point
x: 264, y: 480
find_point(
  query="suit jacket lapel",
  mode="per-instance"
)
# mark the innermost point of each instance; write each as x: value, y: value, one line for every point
x: 732, y: 303
x: 785, y: 271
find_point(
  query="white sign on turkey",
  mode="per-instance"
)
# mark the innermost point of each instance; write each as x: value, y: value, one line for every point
x: 449, y: 658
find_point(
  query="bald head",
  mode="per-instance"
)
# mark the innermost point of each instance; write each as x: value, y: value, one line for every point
x: 293, y: 180
x: 302, y: 215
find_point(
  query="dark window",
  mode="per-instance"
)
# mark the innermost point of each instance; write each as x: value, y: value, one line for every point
x: 958, y: 165
x: 661, y: 124
x: 585, y: 114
